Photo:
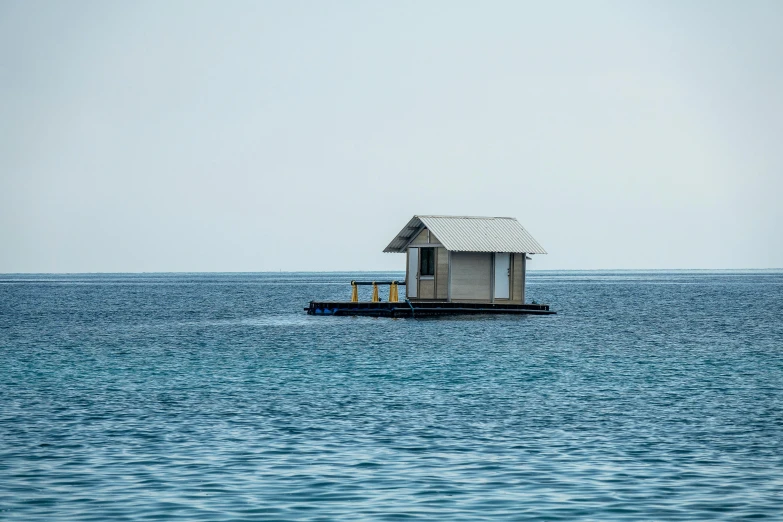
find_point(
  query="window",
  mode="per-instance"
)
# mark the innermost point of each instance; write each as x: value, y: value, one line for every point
x: 427, y: 263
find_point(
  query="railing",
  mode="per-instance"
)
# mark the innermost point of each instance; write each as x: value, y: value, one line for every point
x: 394, y: 296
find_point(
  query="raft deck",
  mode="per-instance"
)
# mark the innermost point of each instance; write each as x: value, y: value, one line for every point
x: 421, y: 309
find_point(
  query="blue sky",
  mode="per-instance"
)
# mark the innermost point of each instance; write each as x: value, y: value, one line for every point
x: 254, y: 136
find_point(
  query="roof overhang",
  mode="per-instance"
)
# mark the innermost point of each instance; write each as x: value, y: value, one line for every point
x: 400, y: 243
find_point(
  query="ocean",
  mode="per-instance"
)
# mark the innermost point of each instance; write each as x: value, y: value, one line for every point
x: 649, y: 396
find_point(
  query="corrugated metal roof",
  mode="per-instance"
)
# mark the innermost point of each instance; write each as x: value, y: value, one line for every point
x: 470, y: 234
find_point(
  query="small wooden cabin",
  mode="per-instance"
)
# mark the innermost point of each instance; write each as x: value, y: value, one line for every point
x: 462, y: 259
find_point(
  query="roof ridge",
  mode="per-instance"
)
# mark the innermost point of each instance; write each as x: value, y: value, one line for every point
x: 462, y: 217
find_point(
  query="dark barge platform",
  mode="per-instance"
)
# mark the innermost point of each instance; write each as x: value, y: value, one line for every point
x: 421, y: 309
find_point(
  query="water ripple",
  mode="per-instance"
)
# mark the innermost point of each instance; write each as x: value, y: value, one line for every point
x: 650, y: 396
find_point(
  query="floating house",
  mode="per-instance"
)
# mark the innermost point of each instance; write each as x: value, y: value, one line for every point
x: 454, y: 265
x: 462, y: 259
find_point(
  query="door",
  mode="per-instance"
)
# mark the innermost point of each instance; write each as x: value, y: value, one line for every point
x: 502, y: 274
x: 411, y: 285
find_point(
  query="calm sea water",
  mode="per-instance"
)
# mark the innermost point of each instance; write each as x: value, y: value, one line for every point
x: 650, y: 396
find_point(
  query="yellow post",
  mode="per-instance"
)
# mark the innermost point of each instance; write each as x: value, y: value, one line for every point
x: 393, y: 296
x: 354, y: 292
x: 375, y: 297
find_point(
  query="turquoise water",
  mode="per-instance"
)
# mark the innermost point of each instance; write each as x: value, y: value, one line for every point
x: 650, y: 396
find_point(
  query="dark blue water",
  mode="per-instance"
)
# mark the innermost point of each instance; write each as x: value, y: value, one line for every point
x: 650, y: 396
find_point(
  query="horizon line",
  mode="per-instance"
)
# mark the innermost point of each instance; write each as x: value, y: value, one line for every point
x: 388, y: 271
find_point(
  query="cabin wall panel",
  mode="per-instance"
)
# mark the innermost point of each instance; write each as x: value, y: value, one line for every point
x: 442, y: 274
x: 471, y: 276
x: 426, y: 289
x: 517, y: 279
x: 524, y: 276
x: 421, y: 239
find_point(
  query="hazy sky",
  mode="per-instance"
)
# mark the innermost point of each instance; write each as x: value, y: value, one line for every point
x: 255, y: 136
